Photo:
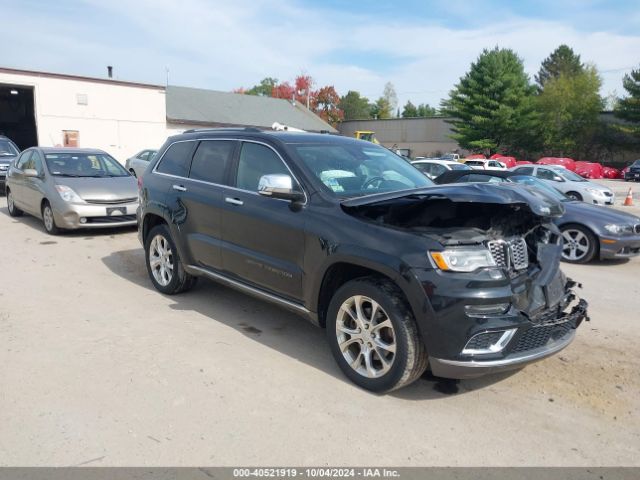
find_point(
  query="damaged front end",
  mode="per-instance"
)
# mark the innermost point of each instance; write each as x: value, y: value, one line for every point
x: 496, y: 296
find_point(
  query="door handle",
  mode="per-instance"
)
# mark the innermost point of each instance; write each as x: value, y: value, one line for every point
x: 179, y: 188
x: 233, y: 201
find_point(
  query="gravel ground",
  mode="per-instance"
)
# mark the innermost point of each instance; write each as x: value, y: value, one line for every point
x: 100, y: 369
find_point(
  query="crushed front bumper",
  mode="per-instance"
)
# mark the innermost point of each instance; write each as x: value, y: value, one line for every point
x: 551, y: 337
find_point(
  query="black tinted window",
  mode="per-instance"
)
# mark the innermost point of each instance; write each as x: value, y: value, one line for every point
x: 524, y: 171
x: 210, y: 160
x: 176, y: 159
x: 255, y: 161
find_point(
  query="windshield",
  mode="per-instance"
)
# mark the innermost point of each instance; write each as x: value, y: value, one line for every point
x: 350, y: 170
x: 7, y: 149
x: 636, y: 163
x: 459, y: 166
x: 84, y: 165
x: 540, y: 185
x: 569, y: 175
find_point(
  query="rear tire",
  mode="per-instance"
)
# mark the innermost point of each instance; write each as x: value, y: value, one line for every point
x: 163, y: 263
x: 373, y: 335
x: 579, y: 244
x: 11, y: 206
x: 574, y: 196
x: 48, y: 220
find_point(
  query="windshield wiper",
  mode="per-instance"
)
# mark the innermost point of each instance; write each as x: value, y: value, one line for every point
x: 65, y: 175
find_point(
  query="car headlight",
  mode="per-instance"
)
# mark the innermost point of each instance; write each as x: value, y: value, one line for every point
x: 595, y: 191
x: 67, y: 194
x: 463, y: 259
x: 619, y: 229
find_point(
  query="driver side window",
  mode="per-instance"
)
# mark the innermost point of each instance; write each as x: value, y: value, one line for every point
x: 255, y: 161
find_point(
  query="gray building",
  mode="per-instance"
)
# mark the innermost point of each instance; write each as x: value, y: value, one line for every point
x: 195, y: 107
x: 424, y: 137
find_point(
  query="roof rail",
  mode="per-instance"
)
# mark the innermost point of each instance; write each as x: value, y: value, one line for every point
x: 223, y: 129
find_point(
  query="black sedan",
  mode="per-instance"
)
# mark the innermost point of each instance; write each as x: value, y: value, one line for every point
x: 588, y: 231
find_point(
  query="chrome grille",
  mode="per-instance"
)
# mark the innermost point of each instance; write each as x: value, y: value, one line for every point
x: 499, y: 252
x: 115, y: 201
x: 510, y: 253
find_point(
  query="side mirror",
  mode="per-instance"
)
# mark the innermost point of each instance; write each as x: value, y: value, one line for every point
x: 279, y: 185
x: 31, y: 173
x: 558, y: 178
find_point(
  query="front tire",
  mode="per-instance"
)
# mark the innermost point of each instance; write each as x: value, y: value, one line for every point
x: 579, y: 244
x: 48, y: 219
x: 574, y: 196
x: 373, y: 335
x: 163, y: 263
x: 11, y: 205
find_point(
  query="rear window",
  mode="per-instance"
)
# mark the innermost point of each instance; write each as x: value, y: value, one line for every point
x: 474, y: 163
x: 176, y: 159
x: 7, y: 148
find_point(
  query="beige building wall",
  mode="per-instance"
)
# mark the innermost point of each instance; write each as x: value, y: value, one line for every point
x: 120, y: 118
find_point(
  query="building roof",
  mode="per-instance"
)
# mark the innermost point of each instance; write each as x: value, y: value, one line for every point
x: 65, y: 76
x: 195, y: 106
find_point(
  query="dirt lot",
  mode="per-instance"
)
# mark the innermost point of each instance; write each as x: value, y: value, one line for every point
x: 100, y: 369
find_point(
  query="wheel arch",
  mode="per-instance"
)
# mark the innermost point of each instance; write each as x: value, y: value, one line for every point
x: 589, y: 229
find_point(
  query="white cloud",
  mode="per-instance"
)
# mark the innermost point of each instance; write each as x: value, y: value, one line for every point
x: 227, y: 45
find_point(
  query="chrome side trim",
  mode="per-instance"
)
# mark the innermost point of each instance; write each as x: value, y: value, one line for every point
x: 252, y: 290
x: 536, y: 354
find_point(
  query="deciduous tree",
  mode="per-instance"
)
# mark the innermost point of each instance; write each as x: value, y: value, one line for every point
x: 327, y: 105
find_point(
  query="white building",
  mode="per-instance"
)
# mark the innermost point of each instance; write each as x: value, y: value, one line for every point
x: 122, y: 118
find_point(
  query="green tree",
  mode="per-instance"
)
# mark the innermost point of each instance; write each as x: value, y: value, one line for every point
x: 570, y: 106
x: 425, y: 110
x: 354, y: 106
x: 381, y: 109
x: 409, y: 110
x: 562, y: 61
x: 264, y: 88
x: 492, y: 107
x: 628, y: 108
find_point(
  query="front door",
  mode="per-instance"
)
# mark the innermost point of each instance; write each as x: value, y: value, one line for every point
x: 263, y: 238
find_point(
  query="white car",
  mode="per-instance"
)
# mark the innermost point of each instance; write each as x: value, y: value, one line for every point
x: 480, y: 164
x: 569, y: 183
x: 433, y: 168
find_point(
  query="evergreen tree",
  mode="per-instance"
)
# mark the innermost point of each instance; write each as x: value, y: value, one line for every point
x: 493, y: 105
x: 409, y: 110
x: 354, y: 106
x: 562, y: 61
x: 628, y: 108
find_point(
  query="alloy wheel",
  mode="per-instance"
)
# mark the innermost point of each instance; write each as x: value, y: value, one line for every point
x: 47, y: 216
x: 366, y: 336
x: 161, y: 260
x: 10, y: 205
x: 575, y: 245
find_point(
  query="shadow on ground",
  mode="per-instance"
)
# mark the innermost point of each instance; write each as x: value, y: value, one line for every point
x: 274, y: 327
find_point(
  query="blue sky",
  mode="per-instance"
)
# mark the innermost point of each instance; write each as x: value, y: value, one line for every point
x: 422, y: 47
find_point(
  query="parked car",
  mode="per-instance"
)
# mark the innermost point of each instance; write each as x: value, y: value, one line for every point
x: 588, y: 231
x: 138, y: 163
x: 8, y: 152
x: 71, y: 188
x: 569, y: 183
x: 401, y: 273
x: 480, y: 164
x: 432, y: 168
x: 633, y: 172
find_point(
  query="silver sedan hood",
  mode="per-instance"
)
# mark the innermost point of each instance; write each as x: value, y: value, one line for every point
x: 101, y: 188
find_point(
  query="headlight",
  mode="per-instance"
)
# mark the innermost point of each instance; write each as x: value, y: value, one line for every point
x: 594, y: 191
x: 463, y: 260
x: 67, y: 194
x: 619, y: 229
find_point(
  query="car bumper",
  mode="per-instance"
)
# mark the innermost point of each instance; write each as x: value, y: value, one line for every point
x: 538, y: 322
x: 620, y: 247
x: 74, y: 216
x: 632, y: 176
x: 599, y: 199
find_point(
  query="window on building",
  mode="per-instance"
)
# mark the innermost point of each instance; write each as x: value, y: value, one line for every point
x: 70, y: 138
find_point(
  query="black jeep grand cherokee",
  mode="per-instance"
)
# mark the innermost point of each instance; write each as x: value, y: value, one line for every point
x: 401, y: 273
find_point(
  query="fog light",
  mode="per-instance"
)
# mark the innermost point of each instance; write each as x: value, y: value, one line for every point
x: 483, y: 310
x: 488, y: 342
x: 83, y: 220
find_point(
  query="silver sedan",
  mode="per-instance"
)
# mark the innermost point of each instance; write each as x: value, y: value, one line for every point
x: 70, y: 188
x: 139, y: 162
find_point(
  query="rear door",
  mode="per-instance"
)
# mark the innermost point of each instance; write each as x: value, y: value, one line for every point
x: 18, y: 179
x: 33, y: 187
x: 201, y: 201
x: 263, y: 238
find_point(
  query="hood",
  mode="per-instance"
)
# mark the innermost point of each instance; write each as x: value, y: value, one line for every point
x: 504, y: 194
x: 600, y: 213
x: 106, y: 188
x: 6, y: 159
